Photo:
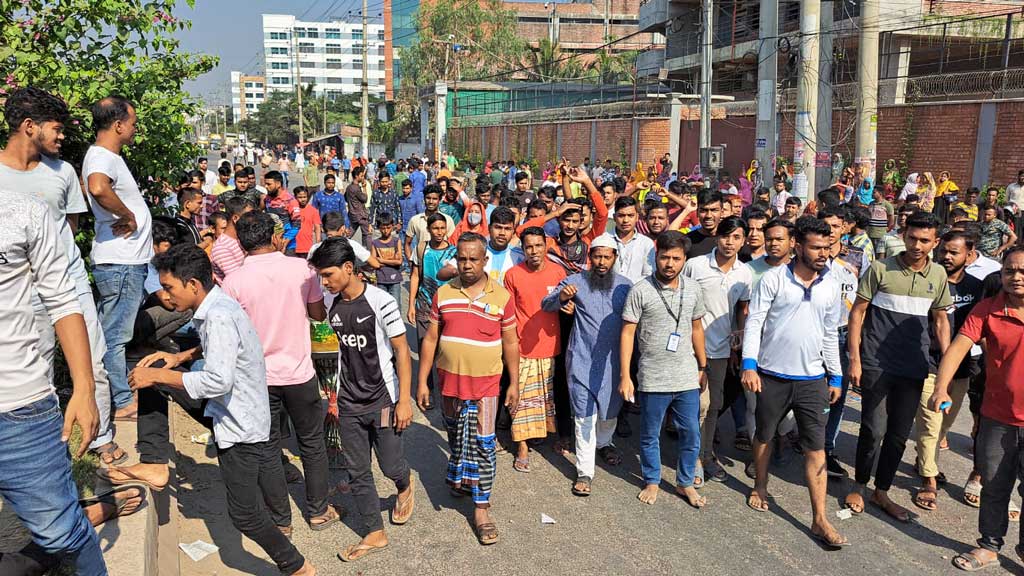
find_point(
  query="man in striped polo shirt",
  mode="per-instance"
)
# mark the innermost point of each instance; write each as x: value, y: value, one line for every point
x: 472, y: 332
x: 888, y: 343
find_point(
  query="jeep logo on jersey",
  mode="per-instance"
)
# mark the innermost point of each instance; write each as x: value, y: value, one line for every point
x: 357, y: 341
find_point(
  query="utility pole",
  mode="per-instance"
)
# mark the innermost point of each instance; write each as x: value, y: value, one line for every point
x: 824, y: 121
x: 325, y: 112
x: 767, y: 90
x: 364, y: 132
x: 705, y: 74
x: 867, y: 75
x: 805, y: 139
x: 298, y: 87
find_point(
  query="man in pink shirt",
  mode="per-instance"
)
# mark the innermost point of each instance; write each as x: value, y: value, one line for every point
x: 278, y: 293
x: 226, y: 254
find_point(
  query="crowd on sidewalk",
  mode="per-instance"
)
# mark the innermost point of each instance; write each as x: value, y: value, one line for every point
x: 559, y: 305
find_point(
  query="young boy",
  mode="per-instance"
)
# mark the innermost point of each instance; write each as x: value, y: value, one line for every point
x: 309, y: 223
x: 388, y: 251
x: 423, y: 282
x: 229, y: 394
x: 374, y: 389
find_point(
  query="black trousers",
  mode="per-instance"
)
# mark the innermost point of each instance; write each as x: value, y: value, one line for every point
x: 889, y: 405
x: 302, y: 405
x: 999, y: 453
x: 252, y: 473
x: 563, y: 404
x: 360, y: 434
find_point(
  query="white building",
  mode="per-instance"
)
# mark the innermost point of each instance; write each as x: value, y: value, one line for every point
x: 329, y: 55
x: 247, y: 93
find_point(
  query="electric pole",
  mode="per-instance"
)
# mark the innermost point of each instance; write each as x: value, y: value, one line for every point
x: 298, y: 87
x: 325, y: 112
x: 805, y: 140
x: 767, y: 91
x: 824, y: 121
x: 705, y: 74
x: 867, y: 75
x: 364, y: 132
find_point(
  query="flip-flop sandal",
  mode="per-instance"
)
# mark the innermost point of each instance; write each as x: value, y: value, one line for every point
x: 698, y: 477
x: 717, y: 474
x: 330, y: 518
x: 973, y: 488
x: 888, y: 512
x: 397, y: 517
x: 521, y: 465
x: 924, y: 502
x: 1014, y: 507
x: 486, y: 533
x: 610, y: 455
x: 941, y: 479
x: 829, y: 543
x: 750, y: 504
x: 104, y: 474
x: 742, y: 443
x: 973, y: 562
x: 346, y: 554
x: 848, y: 506
x: 579, y: 491
x: 107, y: 451
x: 110, y: 497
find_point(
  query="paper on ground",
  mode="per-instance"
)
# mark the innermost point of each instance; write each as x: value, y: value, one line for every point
x: 545, y: 519
x: 204, y: 438
x: 844, y: 514
x: 198, y: 550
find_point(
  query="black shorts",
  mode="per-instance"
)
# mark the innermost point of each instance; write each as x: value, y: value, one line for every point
x: 808, y: 399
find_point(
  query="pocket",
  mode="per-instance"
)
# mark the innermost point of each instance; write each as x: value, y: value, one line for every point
x: 108, y: 279
x: 39, y: 411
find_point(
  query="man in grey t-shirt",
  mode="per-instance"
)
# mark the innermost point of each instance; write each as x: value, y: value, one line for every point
x: 666, y: 309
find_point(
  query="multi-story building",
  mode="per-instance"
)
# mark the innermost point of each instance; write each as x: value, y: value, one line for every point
x: 328, y: 55
x: 582, y: 26
x: 247, y: 93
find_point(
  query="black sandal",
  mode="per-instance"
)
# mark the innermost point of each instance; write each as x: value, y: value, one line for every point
x: 585, y: 490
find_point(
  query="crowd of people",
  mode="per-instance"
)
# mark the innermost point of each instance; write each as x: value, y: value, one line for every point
x: 555, y: 311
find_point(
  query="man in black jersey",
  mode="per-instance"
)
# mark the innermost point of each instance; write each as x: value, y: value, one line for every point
x: 374, y: 388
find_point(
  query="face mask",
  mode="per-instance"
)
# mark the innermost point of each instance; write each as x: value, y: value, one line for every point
x: 559, y: 200
x: 474, y: 219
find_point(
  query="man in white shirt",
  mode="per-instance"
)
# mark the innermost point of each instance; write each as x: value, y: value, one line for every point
x: 35, y: 467
x: 636, y: 251
x: 210, y: 176
x: 123, y: 245
x: 726, y: 283
x: 29, y: 164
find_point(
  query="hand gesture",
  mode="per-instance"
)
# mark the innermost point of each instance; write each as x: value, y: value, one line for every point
x: 169, y: 360
x: 937, y: 400
x: 567, y: 293
x: 125, y: 226
x: 140, y: 378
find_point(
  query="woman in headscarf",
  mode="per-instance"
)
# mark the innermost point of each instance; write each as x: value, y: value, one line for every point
x: 473, y: 220
x: 910, y: 187
x: 745, y: 189
x: 946, y: 195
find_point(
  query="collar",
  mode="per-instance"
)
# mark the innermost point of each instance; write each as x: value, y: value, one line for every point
x: 1003, y: 311
x: 457, y: 284
x: 713, y: 261
x: 790, y: 272
x: 907, y: 270
x: 211, y: 298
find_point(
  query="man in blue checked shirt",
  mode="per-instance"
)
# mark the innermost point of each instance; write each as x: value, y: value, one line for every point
x: 790, y: 351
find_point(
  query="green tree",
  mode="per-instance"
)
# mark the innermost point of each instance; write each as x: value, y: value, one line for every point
x: 277, y: 120
x: 547, y: 62
x: 613, y: 67
x: 84, y: 50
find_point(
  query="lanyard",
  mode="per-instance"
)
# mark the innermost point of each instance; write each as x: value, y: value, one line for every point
x: 679, y: 311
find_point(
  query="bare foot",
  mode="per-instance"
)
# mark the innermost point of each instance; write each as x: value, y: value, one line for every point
x: 828, y: 535
x: 689, y: 493
x: 649, y: 494
x: 123, y: 503
x: 155, y: 475
x: 306, y: 570
x: 129, y: 412
x: 897, y: 512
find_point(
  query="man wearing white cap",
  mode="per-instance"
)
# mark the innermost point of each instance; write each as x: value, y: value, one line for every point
x: 592, y: 359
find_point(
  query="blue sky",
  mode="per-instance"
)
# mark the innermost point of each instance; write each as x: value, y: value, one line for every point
x: 233, y: 30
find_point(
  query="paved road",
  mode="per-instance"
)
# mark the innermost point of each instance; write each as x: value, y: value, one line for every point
x: 611, y: 532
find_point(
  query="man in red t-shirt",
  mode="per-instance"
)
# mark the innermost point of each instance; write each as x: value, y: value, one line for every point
x: 999, y: 321
x: 528, y: 283
x: 309, y: 223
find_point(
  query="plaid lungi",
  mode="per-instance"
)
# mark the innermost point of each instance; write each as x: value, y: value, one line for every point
x: 470, y: 426
x: 535, y: 413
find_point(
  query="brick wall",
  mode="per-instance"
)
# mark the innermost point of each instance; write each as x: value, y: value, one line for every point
x: 942, y: 137
x: 962, y: 8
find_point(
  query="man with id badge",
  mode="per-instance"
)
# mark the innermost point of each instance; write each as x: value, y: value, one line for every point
x: 790, y: 351
x: 663, y: 313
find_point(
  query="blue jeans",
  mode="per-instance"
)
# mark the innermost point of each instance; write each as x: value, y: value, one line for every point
x: 35, y: 478
x: 395, y: 290
x: 284, y: 176
x: 835, y: 413
x: 685, y: 407
x: 120, y: 287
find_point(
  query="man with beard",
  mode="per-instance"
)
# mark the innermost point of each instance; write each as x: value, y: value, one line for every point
x: 472, y: 335
x: 665, y: 311
x: 592, y: 360
x: 932, y: 426
x: 709, y: 212
x: 796, y: 369
x: 726, y: 284
x: 528, y: 283
x: 754, y: 247
x: 385, y: 201
x: 897, y: 299
x: 417, y: 231
x: 279, y: 201
x: 997, y: 448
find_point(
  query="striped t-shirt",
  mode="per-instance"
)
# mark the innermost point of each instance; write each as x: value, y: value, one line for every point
x: 469, y: 361
x: 226, y: 255
x: 895, y: 337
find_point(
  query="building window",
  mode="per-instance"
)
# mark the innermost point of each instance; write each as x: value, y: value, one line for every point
x: 250, y: 106
x: 300, y: 32
x: 248, y: 84
x: 281, y: 80
x: 332, y: 33
x: 308, y: 79
x: 357, y: 35
x: 278, y: 35
x: 334, y: 80
x: 250, y: 95
x: 275, y: 50
x: 307, y: 64
x: 278, y: 65
x: 534, y: 20
x: 306, y: 48
x: 312, y: 33
x: 380, y: 35
x: 259, y: 84
x: 357, y: 62
x: 333, y: 49
x: 334, y: 64
x: 633, y: 22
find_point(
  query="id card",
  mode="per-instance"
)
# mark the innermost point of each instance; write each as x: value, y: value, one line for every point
x: 673, y: 342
